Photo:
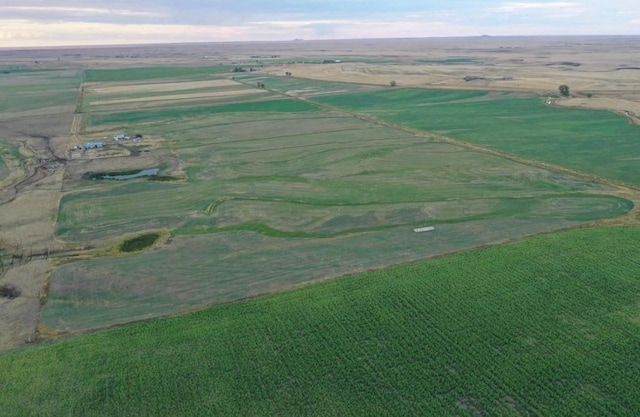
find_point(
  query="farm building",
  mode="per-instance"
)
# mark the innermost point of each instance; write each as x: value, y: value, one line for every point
x: 121, y: 137
x: 90, y: 145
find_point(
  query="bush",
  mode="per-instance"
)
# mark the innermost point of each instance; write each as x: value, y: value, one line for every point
x: 9, y: 291
x: 139, y: 243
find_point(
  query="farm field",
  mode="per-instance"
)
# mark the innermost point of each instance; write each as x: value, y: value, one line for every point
x: 36, y: 90
x: 273, y: 229
x: 268, y: 194
x: 594, y: 142
x: 544, y: 326
x: 152, y: 73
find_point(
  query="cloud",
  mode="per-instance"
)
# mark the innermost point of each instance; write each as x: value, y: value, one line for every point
x: 75, y: 22
x: 74, y: 11
x: 519, y: 7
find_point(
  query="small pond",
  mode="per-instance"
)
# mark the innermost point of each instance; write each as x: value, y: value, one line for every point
x: 127, y: 175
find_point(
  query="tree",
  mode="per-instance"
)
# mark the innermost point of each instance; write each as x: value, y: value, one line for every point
x: 392, y: 83
x: 564, y: 90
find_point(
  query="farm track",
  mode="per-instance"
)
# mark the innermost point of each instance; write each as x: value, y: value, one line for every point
x: 625, y: 190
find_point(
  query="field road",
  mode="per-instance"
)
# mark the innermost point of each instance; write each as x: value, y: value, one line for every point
x: 76, y: 125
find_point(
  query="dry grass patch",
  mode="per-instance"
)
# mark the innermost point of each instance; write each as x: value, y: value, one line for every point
x: 629, y: 108
x: 28, y: 221
x: 179, y: 97
x: 20, y: 315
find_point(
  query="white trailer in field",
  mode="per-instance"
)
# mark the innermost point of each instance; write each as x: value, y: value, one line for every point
x: 424, y: 229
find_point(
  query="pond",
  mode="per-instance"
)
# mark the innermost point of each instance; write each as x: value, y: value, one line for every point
x: 127, y: 175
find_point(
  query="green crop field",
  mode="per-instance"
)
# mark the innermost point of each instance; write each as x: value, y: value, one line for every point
x: 544, y: 326
x: 131, y: 117
x: 303, y: 87
x: 595, y: 142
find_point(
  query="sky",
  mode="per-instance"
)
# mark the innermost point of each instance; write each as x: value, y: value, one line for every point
x: 34, y: 23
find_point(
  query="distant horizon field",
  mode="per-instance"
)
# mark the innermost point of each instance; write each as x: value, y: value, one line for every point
x: 546, y: 325
x: 151, y: 73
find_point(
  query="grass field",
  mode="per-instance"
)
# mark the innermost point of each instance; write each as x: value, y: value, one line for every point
x: 595, y: 142
x: 303, y: 87
x: 131, y: 117
x: 33, y: 90
x: 278, y: 192
x: 544, y: 326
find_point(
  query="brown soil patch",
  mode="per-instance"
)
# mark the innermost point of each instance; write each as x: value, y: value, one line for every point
x: 171, y: 97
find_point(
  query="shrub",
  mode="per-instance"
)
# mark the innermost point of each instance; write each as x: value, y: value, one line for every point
x: 9, y: 291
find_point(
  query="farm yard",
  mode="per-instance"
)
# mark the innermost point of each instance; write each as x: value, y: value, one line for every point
x: 248, y: 242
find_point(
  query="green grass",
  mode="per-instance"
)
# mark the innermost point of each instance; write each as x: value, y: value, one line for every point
x: 279, y: 105
x: 596, y: 142
x: 301, y: 86
x: 544, y: 326
x: 148, y: 73
x: 38, y: 89
x: 306, y: 160
x: 209, y: 262
x: 448, y: 61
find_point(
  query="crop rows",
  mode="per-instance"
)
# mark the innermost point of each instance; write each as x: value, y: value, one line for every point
x: 545, y: 326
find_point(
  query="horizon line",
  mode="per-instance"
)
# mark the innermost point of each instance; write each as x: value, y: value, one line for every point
x: 297, y: 40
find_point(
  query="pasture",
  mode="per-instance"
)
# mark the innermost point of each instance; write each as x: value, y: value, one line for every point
x: 544, y: 326
x: 278, y: 192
